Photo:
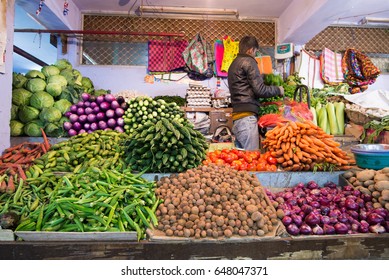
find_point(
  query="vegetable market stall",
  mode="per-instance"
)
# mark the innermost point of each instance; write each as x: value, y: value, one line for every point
x: 355, y: 246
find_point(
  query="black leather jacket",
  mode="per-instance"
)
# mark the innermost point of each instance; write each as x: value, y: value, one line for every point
x: 246, y: 85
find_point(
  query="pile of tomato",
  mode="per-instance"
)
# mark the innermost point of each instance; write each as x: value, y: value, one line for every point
x: 242, y: 160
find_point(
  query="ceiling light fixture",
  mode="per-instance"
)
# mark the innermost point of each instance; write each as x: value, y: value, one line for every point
x: 186, y: 11
x: 373, y: 20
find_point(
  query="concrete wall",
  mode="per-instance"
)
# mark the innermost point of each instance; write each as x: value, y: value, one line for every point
x: 6, y: 81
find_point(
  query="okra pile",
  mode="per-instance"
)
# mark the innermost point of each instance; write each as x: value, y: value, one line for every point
x: 165, y: 146
x: 102, y: 148
x: 98, y: 199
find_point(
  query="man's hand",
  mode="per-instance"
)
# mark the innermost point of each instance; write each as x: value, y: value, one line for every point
x: 281, y: 91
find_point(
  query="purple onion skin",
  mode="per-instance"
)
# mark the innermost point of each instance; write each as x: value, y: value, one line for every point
x: 73, y: 118
x: 96, y: 110
x: 119, y: 129
x: 374, y: 218
x: 94, y: 126
x: 67, y: 126
x: 72, y: 132
x: 318, y: 230
x: 377, y: 229
x: 293, y: 229
x: 115, y: 104
x: 328, y: 229
x: 85, y: 96
x: 87, y: 126
x: 100, y: 99
x: 341, y: 228
x: 305, y: 229
x: 67, y: 114
x: 73, y: 108
x: 286, y: 220
x: 81, y: 131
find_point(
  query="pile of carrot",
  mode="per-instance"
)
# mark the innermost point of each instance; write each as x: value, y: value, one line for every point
x: 304, y: 146
x: 17, y: 159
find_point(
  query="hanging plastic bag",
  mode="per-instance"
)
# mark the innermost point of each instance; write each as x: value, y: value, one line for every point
x: 195, y: 55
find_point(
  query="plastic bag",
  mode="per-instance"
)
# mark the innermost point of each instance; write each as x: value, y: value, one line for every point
x: 289, y: 110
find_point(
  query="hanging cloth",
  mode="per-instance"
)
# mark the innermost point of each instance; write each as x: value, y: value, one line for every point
x: 331, y: 67
x: 231, y: 50
x: 219, y: 53
x: 165, y: 56
x: 309, y: 70
x: 359, y: 70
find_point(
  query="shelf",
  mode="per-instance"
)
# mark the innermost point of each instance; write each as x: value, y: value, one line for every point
x: 206, y: 109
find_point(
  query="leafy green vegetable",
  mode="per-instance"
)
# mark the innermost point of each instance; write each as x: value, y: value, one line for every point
x: 50, y: 115
x: 21, y: 96
x: 16, y: 128
x: 14, y: 112
x: 72, y: 76
x: 50, y: 70
x: 62, y: 105
x: 36, y: 84
x: 57, y: 79
x: 33, y: 128
x: 54, y: 89
x: 18, y: 80
x: 35, y: 74
x: 63, y: 64
x: 27, y: 113
x: 377, y: 127
x: 87, y: 83
x: 41, y: 99
x: 170, y: 99
x: 54, y: 130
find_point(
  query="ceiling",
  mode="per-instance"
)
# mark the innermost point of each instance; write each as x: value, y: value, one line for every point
x: 297, y: 19
x: 248, y: 8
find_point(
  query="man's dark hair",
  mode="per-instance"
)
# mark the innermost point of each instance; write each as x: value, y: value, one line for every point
x: 246, y: 43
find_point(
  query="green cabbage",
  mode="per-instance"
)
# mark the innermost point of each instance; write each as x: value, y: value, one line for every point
x: 20, y: 96
x: 18, y: 80
x: 50, y: 115
x: 54, y: 130
x: 62, y: 120
x: 16, y: 128
x: 50, y: 70
x: 63, y: 105
x: 54, y: 89
x: 63, y: 64
x: 35, y: 74
x: 57, y: 79
x: 72, y: 76
x: 27, y: 113
x: 33, y: 128
x: 86, y: 82
x: 41, y: 99
x: 36, y: 84
x: 14, y: 112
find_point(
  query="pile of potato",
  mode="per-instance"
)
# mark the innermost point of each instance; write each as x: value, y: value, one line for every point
x: 214, y: 201
x: 372, y: 182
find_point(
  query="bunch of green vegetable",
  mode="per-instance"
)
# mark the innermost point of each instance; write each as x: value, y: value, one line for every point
x: 329, y: 117
x: 170, y: 99
x: 165, y: 146
x: 101, y: 148
x: 377, y: 127
x: 96, y: 200
x: 142, y: 109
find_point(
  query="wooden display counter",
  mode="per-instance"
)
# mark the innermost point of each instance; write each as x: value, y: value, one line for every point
x: 368, y: 246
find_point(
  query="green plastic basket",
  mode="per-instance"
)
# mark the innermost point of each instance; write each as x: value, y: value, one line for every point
x: 371, y: 156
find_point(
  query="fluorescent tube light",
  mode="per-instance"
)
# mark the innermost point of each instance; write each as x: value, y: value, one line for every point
x: 374, y: 20
x: 187, y: 11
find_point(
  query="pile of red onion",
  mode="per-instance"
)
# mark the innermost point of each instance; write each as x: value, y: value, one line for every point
x: 92, y: 113
x: 310, y: 209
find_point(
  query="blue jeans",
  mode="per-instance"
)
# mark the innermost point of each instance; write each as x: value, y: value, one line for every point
x: 246, y: 133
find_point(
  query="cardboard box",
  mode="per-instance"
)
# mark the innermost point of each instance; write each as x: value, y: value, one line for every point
x: 353, y: 129
x: 218, y: 118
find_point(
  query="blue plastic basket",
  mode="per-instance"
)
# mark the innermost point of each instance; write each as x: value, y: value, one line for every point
x: 371, y: 156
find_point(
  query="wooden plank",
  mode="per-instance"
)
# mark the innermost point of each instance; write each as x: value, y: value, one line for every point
x: 346, y: 247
